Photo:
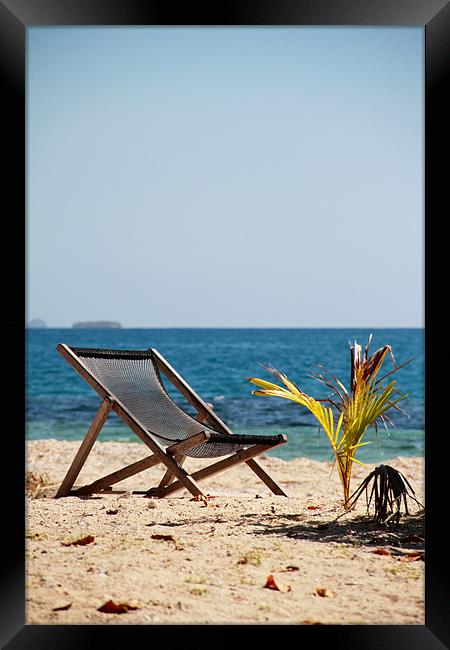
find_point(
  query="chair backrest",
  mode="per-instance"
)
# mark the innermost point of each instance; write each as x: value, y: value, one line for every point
x: 134, y: 379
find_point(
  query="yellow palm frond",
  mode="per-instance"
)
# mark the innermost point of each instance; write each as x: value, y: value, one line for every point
x: 263, y: 384
x: 366, y: 402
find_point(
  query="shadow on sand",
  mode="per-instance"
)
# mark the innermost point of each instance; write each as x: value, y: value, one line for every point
x: 360, y: 531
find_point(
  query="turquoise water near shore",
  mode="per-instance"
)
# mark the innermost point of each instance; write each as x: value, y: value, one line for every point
x: 216, y: 362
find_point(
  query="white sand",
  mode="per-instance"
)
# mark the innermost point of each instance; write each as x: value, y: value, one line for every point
x: 222, y: 551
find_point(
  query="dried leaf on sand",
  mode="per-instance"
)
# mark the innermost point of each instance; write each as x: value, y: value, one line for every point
x: 380, y: 551
x: 62, y: 608
x: 110, y: 607
x: 167, y: 538
x: 82, y: 541
x: 323, y: 592
x: 271, y: 584
x: 413, y: 556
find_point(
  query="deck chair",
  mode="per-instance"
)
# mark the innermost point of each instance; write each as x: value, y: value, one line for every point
x: 130, y: 384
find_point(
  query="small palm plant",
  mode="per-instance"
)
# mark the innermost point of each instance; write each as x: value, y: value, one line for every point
x: 365, y: 402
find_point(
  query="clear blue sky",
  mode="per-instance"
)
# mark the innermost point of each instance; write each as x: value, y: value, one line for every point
x: 226, y: 177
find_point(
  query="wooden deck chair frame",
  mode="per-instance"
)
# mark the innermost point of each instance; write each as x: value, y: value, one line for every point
x: 172, y: 457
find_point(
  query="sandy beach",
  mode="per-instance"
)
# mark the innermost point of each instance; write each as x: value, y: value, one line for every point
x: 241, y: 556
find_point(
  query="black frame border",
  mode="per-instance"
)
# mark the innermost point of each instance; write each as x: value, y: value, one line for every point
x: 434, y: 15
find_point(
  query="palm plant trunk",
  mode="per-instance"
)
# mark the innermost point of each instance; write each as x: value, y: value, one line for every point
x: 345, y: 473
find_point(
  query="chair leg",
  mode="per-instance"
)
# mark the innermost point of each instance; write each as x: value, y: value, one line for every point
x: 265, y: 478
x: 240, y: 456
x: 120, y: 475
x: 176, y: 452
x: 85, y: 448
x: 168, y: 477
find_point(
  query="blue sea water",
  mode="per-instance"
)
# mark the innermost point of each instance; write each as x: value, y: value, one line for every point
x: 216, y: 363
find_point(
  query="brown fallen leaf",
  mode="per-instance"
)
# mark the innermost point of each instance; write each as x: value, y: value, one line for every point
x: 413, y: 556
x: 110, y: 607
x: 271, y: 584
x: 381, y: 551
x: 167, y: 538
x: 202, y: 497
x: 313, y: 507
x: 62, y: 607
x: 310, y: 623
x: 325, y: 593
x: 80, y: 542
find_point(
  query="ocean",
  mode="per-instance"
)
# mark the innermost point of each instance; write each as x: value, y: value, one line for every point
x: 216, y: 363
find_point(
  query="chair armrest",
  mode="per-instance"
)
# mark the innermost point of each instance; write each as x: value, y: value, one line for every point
x: 189, y: 443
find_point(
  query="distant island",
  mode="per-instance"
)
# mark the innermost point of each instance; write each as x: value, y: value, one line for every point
x: 97, y: 325
x: 37, y: 323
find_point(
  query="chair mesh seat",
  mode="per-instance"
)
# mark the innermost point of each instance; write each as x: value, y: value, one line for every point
x: 133, y: 378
